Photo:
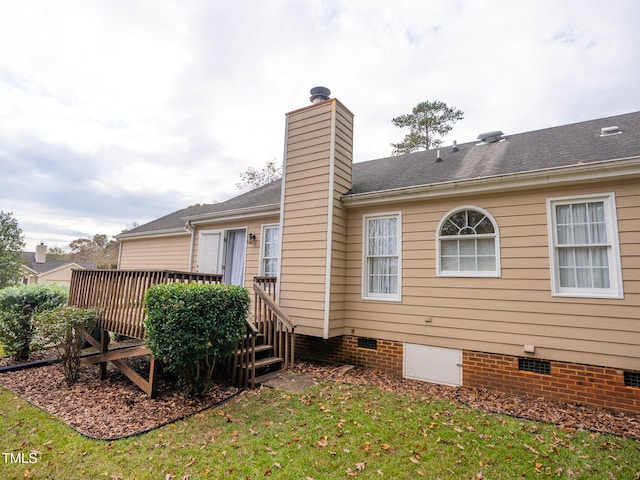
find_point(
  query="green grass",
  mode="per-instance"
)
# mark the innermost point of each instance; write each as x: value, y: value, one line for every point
x: 329, y: 431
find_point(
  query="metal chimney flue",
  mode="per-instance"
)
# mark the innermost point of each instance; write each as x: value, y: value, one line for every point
x: 319, y: 94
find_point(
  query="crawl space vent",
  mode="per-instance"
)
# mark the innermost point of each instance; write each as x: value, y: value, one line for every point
x: 534, y: 366
x: 368, y: 343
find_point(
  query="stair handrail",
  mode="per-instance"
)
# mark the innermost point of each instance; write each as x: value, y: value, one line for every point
x: 266, y: 298
x: 283, y: 331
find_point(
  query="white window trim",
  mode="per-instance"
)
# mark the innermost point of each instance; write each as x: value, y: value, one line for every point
x: 386, y: 297
x: 445, y: 217
x: 616, y: 289
x: 262, y: 239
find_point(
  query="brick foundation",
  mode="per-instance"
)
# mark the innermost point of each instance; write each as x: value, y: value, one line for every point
x: 387, y: 357
x: 568, y: 382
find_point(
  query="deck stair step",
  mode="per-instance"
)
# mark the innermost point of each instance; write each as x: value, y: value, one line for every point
x: 266, y: 362
x: 259, y: 349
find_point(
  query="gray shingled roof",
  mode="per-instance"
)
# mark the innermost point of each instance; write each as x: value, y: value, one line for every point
x: 262, y: 196
x: 524, y: 152
x: 538, y: 150
x: 29, y: 260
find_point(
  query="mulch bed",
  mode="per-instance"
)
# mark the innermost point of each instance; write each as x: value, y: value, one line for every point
x: 116, y: 407
x: 111, y: 408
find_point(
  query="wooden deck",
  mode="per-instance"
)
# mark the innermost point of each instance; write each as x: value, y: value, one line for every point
x: 119, y: 294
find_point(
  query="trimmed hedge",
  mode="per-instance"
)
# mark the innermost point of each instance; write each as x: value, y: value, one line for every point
x: 18, y: 305
x: 190, y: 327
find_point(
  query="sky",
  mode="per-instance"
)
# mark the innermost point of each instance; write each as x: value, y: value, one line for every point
x: 114, y: 113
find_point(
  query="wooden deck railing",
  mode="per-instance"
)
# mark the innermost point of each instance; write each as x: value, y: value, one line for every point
x: 272, y: 322
x: 272, y: 325
x: 120, y: 294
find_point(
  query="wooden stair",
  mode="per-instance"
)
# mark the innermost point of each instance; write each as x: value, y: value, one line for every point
x: 265, y: 362
x: 269, y: 343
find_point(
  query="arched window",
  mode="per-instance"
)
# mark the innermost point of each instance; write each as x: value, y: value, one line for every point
x: 468, y: 244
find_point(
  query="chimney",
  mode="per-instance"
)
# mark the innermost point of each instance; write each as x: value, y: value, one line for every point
x: 41, y: 253
x: 318, y: 164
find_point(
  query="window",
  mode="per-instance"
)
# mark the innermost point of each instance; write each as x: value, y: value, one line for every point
x: 270, y: 250
x: 382, y: 272
x: 468, y: 244
x: 583, y: 246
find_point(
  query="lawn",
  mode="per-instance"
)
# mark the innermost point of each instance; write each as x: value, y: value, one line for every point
x: 329, y: 431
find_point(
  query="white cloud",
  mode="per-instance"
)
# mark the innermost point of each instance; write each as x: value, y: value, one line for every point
x: 131, y: 110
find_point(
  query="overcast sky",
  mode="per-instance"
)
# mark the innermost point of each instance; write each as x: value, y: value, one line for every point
x: 115, y: 112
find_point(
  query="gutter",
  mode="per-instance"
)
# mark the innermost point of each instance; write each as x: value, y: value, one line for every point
x: 169, y: 232
x: 555, y: 176
x: 240, y: 213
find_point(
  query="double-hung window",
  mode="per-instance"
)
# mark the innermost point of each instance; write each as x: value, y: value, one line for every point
x: 583, y: 246
x: 270, y: 250
x: 468, y: 244
x: 382, y: 272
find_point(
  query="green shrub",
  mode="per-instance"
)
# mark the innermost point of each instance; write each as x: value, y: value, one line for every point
x: 192, y: 326
x: 63, y: 327
x: 17, y: 307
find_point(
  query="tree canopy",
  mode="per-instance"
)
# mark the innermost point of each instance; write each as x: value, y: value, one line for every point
x: 253, y: 178
x: 11, y: 245
x: 426, y: 123
x: 99, y: 250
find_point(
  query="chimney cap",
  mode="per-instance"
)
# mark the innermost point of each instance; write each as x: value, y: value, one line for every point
x: 319, y: 94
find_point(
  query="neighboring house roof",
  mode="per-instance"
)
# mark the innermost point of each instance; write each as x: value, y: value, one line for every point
x: 549, y: 148
x: 29, y: 259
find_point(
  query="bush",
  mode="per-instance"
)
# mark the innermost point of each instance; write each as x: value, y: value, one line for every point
x: 63, y: 328
x: 18, y: 305
x: 192, y: 326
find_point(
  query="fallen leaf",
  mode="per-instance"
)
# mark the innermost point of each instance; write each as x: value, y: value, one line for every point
x: 323, y: 442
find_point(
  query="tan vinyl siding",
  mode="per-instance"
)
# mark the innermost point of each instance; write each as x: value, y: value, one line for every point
x: 318, y: 159
x: 168, y: 252
x: 503, y: 314
x: 343, y: 169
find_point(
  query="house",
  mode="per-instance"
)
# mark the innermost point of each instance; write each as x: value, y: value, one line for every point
x: 37, y: 269
x: 509, y: 263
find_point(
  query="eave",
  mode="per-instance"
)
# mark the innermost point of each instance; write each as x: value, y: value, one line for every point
x: 238, y: 214
x: 569, y: 175
x: 170, y: 232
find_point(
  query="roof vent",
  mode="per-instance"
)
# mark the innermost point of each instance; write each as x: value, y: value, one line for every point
x: 454, y: 147
x: 319, y: 94
x: 606, y: 131
x: 491, y: 137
